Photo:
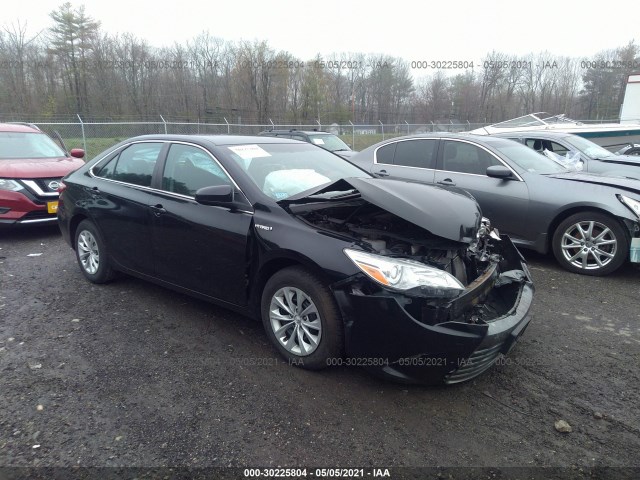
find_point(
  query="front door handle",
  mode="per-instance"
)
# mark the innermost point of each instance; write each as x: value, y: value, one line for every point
x: 382, y: 173
x: 447, y: 182
x: 158, y: 210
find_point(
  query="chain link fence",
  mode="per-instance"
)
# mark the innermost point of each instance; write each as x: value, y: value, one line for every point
x: 94, y: 137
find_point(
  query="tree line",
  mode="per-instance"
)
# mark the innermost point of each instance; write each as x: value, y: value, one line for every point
x: 74, y: 67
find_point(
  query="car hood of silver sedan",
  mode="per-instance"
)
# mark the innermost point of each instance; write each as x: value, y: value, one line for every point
x: 449, y: 213
x: 622, y: 159
x: 623, y: 183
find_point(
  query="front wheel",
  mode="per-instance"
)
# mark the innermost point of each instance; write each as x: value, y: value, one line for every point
x: 301, y: 318
x: 91, y: 253
x: 590, y: 243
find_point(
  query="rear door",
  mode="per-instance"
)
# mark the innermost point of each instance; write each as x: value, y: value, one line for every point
x: 504, y: 201
x: 120, y: 203
x: 413, y: 159
x: 199, y: 247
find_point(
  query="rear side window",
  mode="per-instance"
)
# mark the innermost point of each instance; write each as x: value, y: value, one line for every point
x: 385, y: 154
x: 409, y: 153
x: 135, y: 164
x: 416, y: 153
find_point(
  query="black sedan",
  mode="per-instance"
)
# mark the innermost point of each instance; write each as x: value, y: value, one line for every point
x: 588, y: 156
x: 591, y: 222
x: 343, y: 268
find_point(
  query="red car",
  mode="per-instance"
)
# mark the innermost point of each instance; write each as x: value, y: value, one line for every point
x: 31, y: 169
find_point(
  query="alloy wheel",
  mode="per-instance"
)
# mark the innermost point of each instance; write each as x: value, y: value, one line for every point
x: 88, y: 252
x: 295, y: 321
x: 589, y: 245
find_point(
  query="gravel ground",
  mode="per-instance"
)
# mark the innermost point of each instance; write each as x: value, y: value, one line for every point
x: 130, y: 374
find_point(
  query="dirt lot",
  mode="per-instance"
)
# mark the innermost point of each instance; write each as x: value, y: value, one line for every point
x: 131, y: 374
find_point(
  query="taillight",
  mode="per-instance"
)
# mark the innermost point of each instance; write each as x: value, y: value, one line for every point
x: 61, y: 188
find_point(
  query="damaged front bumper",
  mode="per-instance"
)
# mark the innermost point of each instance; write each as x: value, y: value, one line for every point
x: 426, y: 340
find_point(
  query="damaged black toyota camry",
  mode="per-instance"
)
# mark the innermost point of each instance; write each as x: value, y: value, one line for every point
x: 405, y: 279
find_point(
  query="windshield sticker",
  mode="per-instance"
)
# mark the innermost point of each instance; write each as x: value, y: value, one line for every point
x: 247, y: 152
x: 318, y: 141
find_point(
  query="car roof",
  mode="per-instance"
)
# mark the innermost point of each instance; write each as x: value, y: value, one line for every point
x: 533, y: 134
x: 19, y: 127
x: 486, y: 139
x: 307, y: 132
x: 217, y: 140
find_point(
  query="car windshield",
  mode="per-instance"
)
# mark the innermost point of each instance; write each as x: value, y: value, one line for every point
x: 528, y: 159
x: 590, y: 149
x: 329, y: 142
x: 28, y: 145
x: 281, y: 170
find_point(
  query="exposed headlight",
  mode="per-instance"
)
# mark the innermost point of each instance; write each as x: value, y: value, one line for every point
x: 405, y: 275
x: 634, y: 205
x: 10, y: 185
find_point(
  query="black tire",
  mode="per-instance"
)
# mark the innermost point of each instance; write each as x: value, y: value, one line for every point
x: 315, y: 296
x: 633, y: 151
x: 92, y: 254
x: 586, y: 245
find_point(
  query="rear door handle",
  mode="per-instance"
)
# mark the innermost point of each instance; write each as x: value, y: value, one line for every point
x: 157, y: 209
x: 382, y: 173
x: 447, y: 182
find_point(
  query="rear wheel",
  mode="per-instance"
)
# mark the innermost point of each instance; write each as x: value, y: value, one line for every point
x: 91, y: 253
x: 302, y: 319
x: 590, y: 243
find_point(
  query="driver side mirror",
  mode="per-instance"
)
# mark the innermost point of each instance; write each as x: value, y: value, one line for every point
x: 216, y: 196
x: 499, y: 171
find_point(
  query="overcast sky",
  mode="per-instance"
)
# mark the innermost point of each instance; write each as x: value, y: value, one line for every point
x: 414, y: 30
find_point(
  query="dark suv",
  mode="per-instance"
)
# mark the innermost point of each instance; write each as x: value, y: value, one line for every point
x: 31, y: 169
x: 326, y: 140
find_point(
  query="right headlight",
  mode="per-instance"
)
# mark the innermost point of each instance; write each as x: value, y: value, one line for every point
x: 406, y: 275
x: 10, y: 185
x: 634, y: 205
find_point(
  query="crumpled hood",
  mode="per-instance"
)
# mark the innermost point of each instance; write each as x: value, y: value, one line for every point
x: 449, y: 213
x: 622, y: 183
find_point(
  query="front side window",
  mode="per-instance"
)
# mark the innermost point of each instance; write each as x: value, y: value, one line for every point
x: 134, y: 164
x: 189, y: 169
x: 467, y: 158
x: 558, y: 148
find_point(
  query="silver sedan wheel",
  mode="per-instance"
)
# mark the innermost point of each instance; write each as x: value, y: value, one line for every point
x: 589, y: 245
x: 295, y: 321
x: 88, y: 252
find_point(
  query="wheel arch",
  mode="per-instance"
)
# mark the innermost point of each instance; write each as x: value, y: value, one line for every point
x: 73, y: 227
x: 562, y: 216
x: 274, y: 265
